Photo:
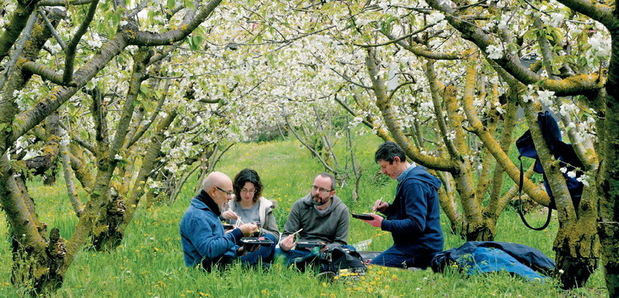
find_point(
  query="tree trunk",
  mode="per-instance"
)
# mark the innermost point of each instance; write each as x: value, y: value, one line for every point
x: 608, y: 180
x: 105, y: 235
x: 576, y: 244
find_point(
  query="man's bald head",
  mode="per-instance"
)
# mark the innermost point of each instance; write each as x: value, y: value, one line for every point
x: 219, y: 187
x: 215, y: 179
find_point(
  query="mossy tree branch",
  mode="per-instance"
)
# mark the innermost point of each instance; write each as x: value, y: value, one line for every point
x: 15, y: 26
x: 530, y: 188
x: 576, y: 84
x: 67, y: 75
x: 390, y: 118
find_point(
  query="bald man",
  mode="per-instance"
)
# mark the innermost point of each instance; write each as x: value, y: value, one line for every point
x: 202, y: 233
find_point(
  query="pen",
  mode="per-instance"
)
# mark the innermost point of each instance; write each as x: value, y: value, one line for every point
x: 297, y: 232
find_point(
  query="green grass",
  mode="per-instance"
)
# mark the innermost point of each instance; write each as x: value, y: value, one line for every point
x: 149, y: 261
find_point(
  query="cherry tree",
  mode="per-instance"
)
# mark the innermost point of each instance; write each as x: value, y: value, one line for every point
x: 103, y: 32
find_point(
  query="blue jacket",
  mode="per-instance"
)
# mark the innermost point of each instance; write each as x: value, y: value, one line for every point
x: 202, y: 234
x: 413, y: 217
x: 490, y: 256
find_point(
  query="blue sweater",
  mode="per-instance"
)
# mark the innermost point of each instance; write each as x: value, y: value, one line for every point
x: 202, y: 234
x: 414, y: 216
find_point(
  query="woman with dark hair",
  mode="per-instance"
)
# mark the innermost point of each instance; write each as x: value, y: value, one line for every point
x: 249, y: 206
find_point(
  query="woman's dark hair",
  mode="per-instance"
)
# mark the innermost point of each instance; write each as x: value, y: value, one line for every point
x: 244, y: 176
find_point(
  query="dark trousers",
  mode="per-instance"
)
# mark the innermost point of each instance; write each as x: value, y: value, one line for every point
x: 264, y: 254
x: 293, y: 254
x: 402, y: 257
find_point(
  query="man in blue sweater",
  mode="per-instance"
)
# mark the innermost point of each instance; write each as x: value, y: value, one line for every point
x: 413, y: 217
x: 202, y: 234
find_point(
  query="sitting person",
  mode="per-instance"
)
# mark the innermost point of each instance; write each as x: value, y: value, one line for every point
x: 414, y: 216
x: 249, y: 206
x: 202, y: 233
x: 319, y: 216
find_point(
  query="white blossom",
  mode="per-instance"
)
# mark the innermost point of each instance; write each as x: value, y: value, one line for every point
x: 494, y: 52
x: 545, y: 97
x: 556, y: 19
x: 584, y: 180
x: 600, y: 44
x: 435, y: 17
x: 94, y: 41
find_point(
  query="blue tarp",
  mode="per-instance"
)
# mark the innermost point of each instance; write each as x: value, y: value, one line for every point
x: 476, y: 257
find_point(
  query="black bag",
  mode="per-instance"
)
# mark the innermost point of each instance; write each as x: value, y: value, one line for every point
x: 332, y: 260
x: 343, y: 258
x: 563, y: 152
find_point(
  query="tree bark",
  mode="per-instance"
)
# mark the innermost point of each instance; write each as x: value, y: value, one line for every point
x: 608, y: 179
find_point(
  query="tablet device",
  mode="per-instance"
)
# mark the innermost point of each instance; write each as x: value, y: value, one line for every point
x: 310, y: 244
x: 256, y: 241
x: 364, y: 216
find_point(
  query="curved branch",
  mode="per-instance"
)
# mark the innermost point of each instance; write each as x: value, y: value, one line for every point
x: 572, y: 85
x: 64, y: 2
x: 68, y: 174
x: 150, y: 157
x: 52, y: 29
x: 72, y: 46
x: 393, y: 40
x: 25, y: 35
x: 534, y: 191
x: 352, y: 112
x: 145, y: 127
x: 84, y: 144
x: 13, y: 202
x: 145, y: 38
x: 30, y: 118
x: 137, y: 77
x: 44, y: 72
x: 389, y: 115
x: 438, y: 111
x: 423, y: 52
x: 314, y: 152
x: 600, y: 13
x: 15, y: 26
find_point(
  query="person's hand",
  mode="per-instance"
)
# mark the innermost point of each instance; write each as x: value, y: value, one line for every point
x: 230, y: 215
x: 287, y: 243
x: 380, y: 206
x: 248, y: 229
x: 376, y: 222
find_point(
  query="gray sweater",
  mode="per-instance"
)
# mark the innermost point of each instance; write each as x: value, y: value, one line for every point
x: 331, y: 226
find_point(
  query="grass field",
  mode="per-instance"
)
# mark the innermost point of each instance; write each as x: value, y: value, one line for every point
x: 149, y: 261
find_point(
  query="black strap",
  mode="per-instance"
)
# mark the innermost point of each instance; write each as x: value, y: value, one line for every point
x: 519, y: 207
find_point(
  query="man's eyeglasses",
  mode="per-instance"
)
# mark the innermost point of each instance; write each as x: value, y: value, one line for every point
x: 320, y: 189
x: 229, y: 193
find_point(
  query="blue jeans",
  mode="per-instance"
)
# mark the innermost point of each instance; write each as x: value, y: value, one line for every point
x: 402, y: 257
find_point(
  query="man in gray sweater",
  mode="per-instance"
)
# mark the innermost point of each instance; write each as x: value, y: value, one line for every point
x: 319, y: 216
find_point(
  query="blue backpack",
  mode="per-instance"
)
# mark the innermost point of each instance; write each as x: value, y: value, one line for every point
x: 563, y: 152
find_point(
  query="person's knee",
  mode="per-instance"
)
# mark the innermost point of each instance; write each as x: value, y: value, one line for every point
x: 389, y: 260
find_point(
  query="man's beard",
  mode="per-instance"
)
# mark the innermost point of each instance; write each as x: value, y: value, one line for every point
x: 320, y: 201
x: 223, y: 207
